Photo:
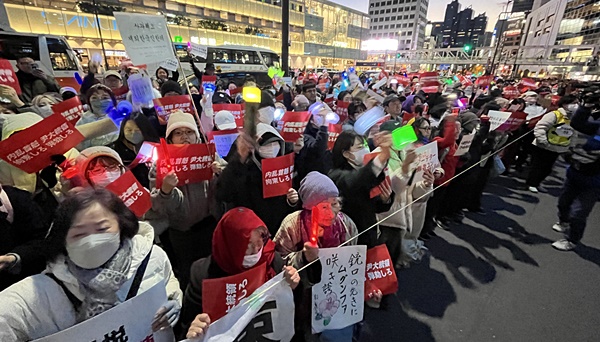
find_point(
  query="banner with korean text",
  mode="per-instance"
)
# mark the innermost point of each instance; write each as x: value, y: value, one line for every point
x: 427, y: 159
x: 145, y: 37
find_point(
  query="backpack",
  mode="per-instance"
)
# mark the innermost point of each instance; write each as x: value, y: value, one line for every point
x: 561, y: 133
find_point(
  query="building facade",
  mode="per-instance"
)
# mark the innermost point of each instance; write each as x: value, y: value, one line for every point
x: 403, y: 20
x: 208, y: 22
x: 522, y: 5
x: 460, y: 28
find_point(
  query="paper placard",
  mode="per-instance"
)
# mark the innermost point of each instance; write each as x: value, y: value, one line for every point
x: 235, y: 109
x: 341, y: 109
x: 121, y: 93
x: 192, y: 163
x: 145, y: 37
x: 165, y: 106
x: 132, y: 193
x: 380, y: 273
x: 277, y: 175
x: 427, y: 159
x: 465, y: 145
x: 221, y: 295
x: 8, y: 76
x: 30, y: 149
x: 338, y: 300
x: 497, y: 118
x: 198, y: 50
x: 170, y: 64
x: 513, y: 123
x: 223, y: 140
x: 71, y: 109
x: 141, y: 89
x: 334, y: 131
x: 294, y: 124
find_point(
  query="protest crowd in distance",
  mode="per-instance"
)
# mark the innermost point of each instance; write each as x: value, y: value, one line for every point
x: 143, y: 208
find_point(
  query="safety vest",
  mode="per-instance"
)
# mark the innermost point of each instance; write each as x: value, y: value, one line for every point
x: 561, y: 133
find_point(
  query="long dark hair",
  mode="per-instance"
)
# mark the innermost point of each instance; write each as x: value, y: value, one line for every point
x: 143, y: 124
x: 344, y: 142
x: 417, y: 124
x: 55, y: 242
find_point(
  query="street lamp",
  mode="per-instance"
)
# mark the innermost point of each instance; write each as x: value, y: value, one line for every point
x: 397, y: 47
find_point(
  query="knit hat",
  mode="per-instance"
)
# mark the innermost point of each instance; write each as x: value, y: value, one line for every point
x: 89, y: 154
x: 225, y: 120
x: 179, y: 119
x: 316, y: 188
x: 170, y: 86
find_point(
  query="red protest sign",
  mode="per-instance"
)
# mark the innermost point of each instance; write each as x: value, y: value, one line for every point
x: 465, y: 81
x: 513, y: 123
x: 341, y: 109
x: 235, y: 109
x: 223, y: 140
x: 405, y: 81
x: 8, y: 76
x: 484, y: 81
x: 380, y: 273
x: 376, y: 191
x: 333, y: 131
x: 510, y: 92
x: 294, y: 124
x: 165, y: 106
x: 329, y: 99
x: 132, y: 193
x: 121, y: 93
x: 528, y: 83
x: 277, y: 175
x: 30, y: 150
x: 406, y: 117
x: 234, y: 92
x: 192, y: 163
x: 71, y: 109
x: 208, y: 79
x: 220, y: 295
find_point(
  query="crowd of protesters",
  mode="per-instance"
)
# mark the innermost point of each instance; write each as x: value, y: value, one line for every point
x: 70, y: 249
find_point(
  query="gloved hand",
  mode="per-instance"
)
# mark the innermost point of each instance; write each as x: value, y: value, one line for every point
x: 166, y: 316
x: 48, y: 174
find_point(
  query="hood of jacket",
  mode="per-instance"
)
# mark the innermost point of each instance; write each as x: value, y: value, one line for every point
x: 262, y: 129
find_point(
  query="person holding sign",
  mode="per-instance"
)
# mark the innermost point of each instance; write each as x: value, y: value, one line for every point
x: 184, y: 209
x: 296, y: 242
x: 355, y: 180
x: 240, y: 242
x: 162, y: 75
x: 99, y: 257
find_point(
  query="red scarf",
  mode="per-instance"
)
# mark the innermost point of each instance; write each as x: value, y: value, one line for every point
x: 231, y: 238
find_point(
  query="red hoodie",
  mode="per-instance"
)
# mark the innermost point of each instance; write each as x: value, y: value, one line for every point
x: 450, y: 162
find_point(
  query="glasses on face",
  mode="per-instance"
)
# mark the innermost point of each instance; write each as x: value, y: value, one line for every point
x: 180, y: 134
x: 100, y: 169
x: 425, y: 128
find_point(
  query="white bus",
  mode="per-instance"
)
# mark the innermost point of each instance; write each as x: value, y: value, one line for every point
x: 53, y: 55
x: 232, y: 58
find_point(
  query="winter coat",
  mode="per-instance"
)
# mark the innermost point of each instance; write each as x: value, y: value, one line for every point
x: 103, y: 140
x: 32, y: 86
x: 23, y: 237
x: 313, y: 156
x: 37, y: 306
x: 541, y: 132
x: 449, y: 161
x: 128, y: 155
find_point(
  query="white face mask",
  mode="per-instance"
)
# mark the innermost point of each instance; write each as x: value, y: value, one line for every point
x: 93, y: 250
x: 105, y: 178
x: 359, y: 157
x: 251, y: 260
x: 270, y: 150
x: 45, y: 111
x: 266, y: 115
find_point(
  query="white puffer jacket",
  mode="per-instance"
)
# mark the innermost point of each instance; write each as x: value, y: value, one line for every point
x: 37, y: 306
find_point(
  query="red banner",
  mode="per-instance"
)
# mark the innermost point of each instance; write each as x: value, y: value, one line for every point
x: 513, y: 123
x: 376, y: 191
x: 380, y: 273
x: 8, y: 76
x: 329, y: 99
x: 192, y: 163
x: 406, y: 117
x: 341, y: 109
x: 30, y: 150
x: 510, y: 92
x: 277, y: 175
x: 121, y: 93
x: 405, y: 81
x: 165, y: 106
x: 132, y: 193
x: 208, y: 79
x: 235, y: 109
x: 465, y: 81
x: 528, y: 83
x: 333, y: 131
x: 294, y: 124
x: 223, y: 140
x: 71, y: 109
x: 484, y: 81
x: 222, y: 294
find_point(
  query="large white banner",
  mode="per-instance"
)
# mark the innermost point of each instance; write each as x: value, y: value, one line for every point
x: 129, y: 321
x: 338, y: 300
x: 145, y: 37
x: 267, y: 315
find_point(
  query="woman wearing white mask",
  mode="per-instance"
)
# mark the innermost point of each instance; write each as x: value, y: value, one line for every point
x: 241, y: 242
x: 355, y: 179
x: 99, y: 256
x: 241, y: 183
x: 101, y: 100
x: 266, y: 108
x: 42, y: 104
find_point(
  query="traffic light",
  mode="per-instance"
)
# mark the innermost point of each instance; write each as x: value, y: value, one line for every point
x: 398, y: 55
x: 467, y: 48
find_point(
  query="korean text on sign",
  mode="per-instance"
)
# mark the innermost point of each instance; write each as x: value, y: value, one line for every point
x: 145, y: 37
x: 30, y: 150
x: 71, y: 109
x: 220, y: 295
x: 192, y: 163
x: 277, y: 175
x: 132, y: 193
x: 341, y: 109
x: 338, y: 300
x: 294, y: 124
x: 223, y: 140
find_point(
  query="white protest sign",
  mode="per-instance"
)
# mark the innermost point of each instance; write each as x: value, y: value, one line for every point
x: 375, y: 96
x: 145, y: 37
x: 170, y: 64
x: 497, y: 118
x: 465, y: 145
x: 198, y: 50
x: 267, y: 315
x: 128, y: 321
x: 427, y: 159
x: 141, y: 88
x: 288, y: 81
x: 338, y: 300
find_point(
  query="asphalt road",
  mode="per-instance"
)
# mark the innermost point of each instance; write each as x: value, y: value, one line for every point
x: 496, y: 277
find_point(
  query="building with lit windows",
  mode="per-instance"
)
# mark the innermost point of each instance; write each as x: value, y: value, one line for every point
x: 404, y: 20
x: 208, y: 22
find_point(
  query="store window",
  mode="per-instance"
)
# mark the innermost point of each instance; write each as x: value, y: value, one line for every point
x: 61, y: 56
x: 13, y: 47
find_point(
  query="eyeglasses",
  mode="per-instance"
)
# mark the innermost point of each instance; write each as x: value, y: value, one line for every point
x: 182, y: 133
x: 425, y: 128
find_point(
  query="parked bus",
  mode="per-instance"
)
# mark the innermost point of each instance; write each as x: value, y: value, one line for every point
x: 232, y: 58
x: 53, y: 55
